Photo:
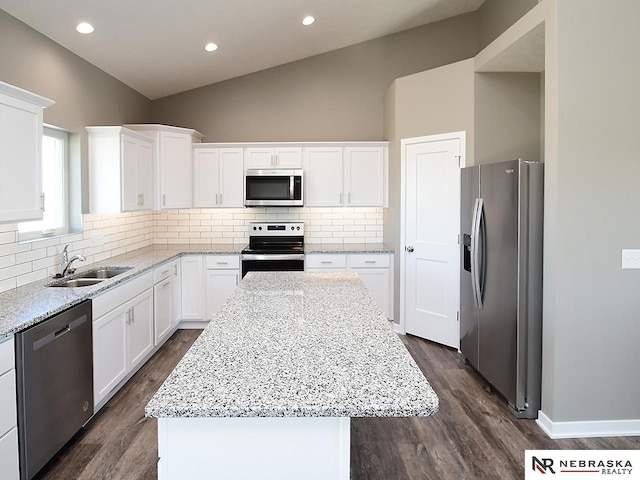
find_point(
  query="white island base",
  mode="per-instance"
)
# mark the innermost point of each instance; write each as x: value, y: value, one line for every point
x: 266, y: 448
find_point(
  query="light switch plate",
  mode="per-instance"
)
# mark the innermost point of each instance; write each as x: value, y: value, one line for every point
x: 630, y: 259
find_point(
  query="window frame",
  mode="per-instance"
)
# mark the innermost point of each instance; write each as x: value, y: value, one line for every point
x: 35, y: 234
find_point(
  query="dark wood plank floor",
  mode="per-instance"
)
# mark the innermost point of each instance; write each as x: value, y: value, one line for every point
x: 473, y: 436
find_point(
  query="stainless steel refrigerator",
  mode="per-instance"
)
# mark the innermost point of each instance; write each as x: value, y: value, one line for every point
x: 501, y: 278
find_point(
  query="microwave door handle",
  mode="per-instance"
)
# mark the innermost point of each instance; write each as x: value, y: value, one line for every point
x: 291, y: 179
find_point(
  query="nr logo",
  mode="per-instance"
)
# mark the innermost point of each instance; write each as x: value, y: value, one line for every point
x: 543, y: 465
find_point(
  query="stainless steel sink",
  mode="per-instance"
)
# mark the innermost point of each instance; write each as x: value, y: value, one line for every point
x: 77, y: 282
x: 103, y: 273
x: 90, y: 277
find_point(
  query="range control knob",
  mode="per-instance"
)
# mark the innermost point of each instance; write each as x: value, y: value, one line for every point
x: 292, y: 228
x: 297, y: 228
x: 259, y: 228
x: 255, y: 228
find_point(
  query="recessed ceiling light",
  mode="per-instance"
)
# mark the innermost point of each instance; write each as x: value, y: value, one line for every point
x: 84, y: 27
x: 308, y: 20
x: 211, y: 47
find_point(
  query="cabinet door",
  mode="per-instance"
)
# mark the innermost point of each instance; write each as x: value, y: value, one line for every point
x: 219, y: 285
x: 162, y: 312
x: 9, y: 455
x: 364, y: 176
x: 109, y: 352
x: 129, y: 172
x: 287, y: 157
x: 144, y: 175
x: 258, y: 157
x: 175, y: 170
x: 139, y: 328
x: 323, y: 177
x: 176, y: 293
x: 192, y: 287
x: 377, y: 282
x: 231, y: 178
x: 20, y: 160
x: 206, y: 177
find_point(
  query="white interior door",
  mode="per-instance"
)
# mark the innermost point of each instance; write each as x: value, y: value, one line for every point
x: 431, y: 232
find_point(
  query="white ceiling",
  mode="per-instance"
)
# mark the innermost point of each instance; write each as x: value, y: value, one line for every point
x: 157, y: 46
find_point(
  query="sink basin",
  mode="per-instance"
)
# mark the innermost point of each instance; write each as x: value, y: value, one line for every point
x: 77, y: 282
x: 90, y: 277
x: 103, y: 273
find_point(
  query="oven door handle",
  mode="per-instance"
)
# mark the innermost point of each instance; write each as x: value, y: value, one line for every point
x: 274, y: 257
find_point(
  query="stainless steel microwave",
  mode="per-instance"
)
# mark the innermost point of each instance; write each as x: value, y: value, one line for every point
x: 273, y: 188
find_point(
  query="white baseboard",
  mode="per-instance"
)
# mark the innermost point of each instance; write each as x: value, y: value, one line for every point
x: 398, y: 328
x: 192, y: 324
x: 588, y: 429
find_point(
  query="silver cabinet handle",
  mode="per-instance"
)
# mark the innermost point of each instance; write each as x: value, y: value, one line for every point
x: 409, y: 248
x: 326, y: 261
x: 220, y: 199
x: 164, y: 272
x: 128, y: 315
x: 175, y: 269
x: 164, y: 199
x: 340, y: 198
x: 42, y: 201
x: 222, y: 263
x: 168, y: 282
x: 133, y: 315
x: 370, y: 261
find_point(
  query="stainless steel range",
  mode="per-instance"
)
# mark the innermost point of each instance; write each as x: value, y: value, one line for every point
x: 274, y: 247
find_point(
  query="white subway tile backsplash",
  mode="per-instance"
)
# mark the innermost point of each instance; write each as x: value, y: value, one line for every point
x: 105, y: 236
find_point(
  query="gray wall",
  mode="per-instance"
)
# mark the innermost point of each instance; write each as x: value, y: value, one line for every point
x: 507, y: 117
x: 496, y: 16
x: 437, y: 101
x: 84, y: 94
x: 333, y: 96
x: 591, y: 306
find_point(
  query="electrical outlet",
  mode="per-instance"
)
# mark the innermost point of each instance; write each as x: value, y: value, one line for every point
x: 630, y: 259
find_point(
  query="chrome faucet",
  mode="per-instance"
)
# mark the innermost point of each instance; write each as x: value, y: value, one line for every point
x: 66, y: 262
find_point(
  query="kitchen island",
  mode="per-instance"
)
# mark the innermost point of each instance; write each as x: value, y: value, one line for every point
x: 269, y: 387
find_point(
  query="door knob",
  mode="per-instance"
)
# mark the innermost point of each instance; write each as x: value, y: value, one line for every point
x: 409, y: 249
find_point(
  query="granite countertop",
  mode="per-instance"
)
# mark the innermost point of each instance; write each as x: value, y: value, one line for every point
x: 347, y: 248
x: 30, y: 304
x: 297, y: 345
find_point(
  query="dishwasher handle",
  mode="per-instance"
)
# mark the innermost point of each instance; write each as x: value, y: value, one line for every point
x: 51, y: 336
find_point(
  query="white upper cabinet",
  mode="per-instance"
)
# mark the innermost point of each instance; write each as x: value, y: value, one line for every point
x: 365, y: 176
x: 120, y: 170
x: 323, y: 176
x: 349, y: 175
x: 218, y: 176
x: 20, y: 154
x: 173, y: 164
x: 268, y: 157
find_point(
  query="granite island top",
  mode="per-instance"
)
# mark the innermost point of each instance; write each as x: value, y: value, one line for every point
x: 293, y: 344
x: 23, y: 307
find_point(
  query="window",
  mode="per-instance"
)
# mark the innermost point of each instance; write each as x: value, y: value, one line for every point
x: 55, y: 165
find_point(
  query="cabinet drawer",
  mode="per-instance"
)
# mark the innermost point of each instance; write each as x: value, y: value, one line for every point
x: 7, y: 357
x: 9, y: 455
x: 222, y: 261
x: 322, y: 260
x: 7, y: 401
x: 163, y: 271
x: 369, y: 260
x: 117, y: 295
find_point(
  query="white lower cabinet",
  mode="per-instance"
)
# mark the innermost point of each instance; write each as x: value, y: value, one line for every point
x: 207, y: 282
x: 375, y: 269
x: 8, y: 415
x: 221, y: 279
x: 122, y: 333
x: 192, y: 287
x: 162, y: 302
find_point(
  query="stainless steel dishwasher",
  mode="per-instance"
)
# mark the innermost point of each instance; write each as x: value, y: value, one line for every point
x: 54, y: 376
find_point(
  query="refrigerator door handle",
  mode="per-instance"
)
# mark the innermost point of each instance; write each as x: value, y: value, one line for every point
x: 476, y: 284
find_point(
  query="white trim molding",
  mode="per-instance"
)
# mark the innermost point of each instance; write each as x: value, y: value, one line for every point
x: 588, y: 429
